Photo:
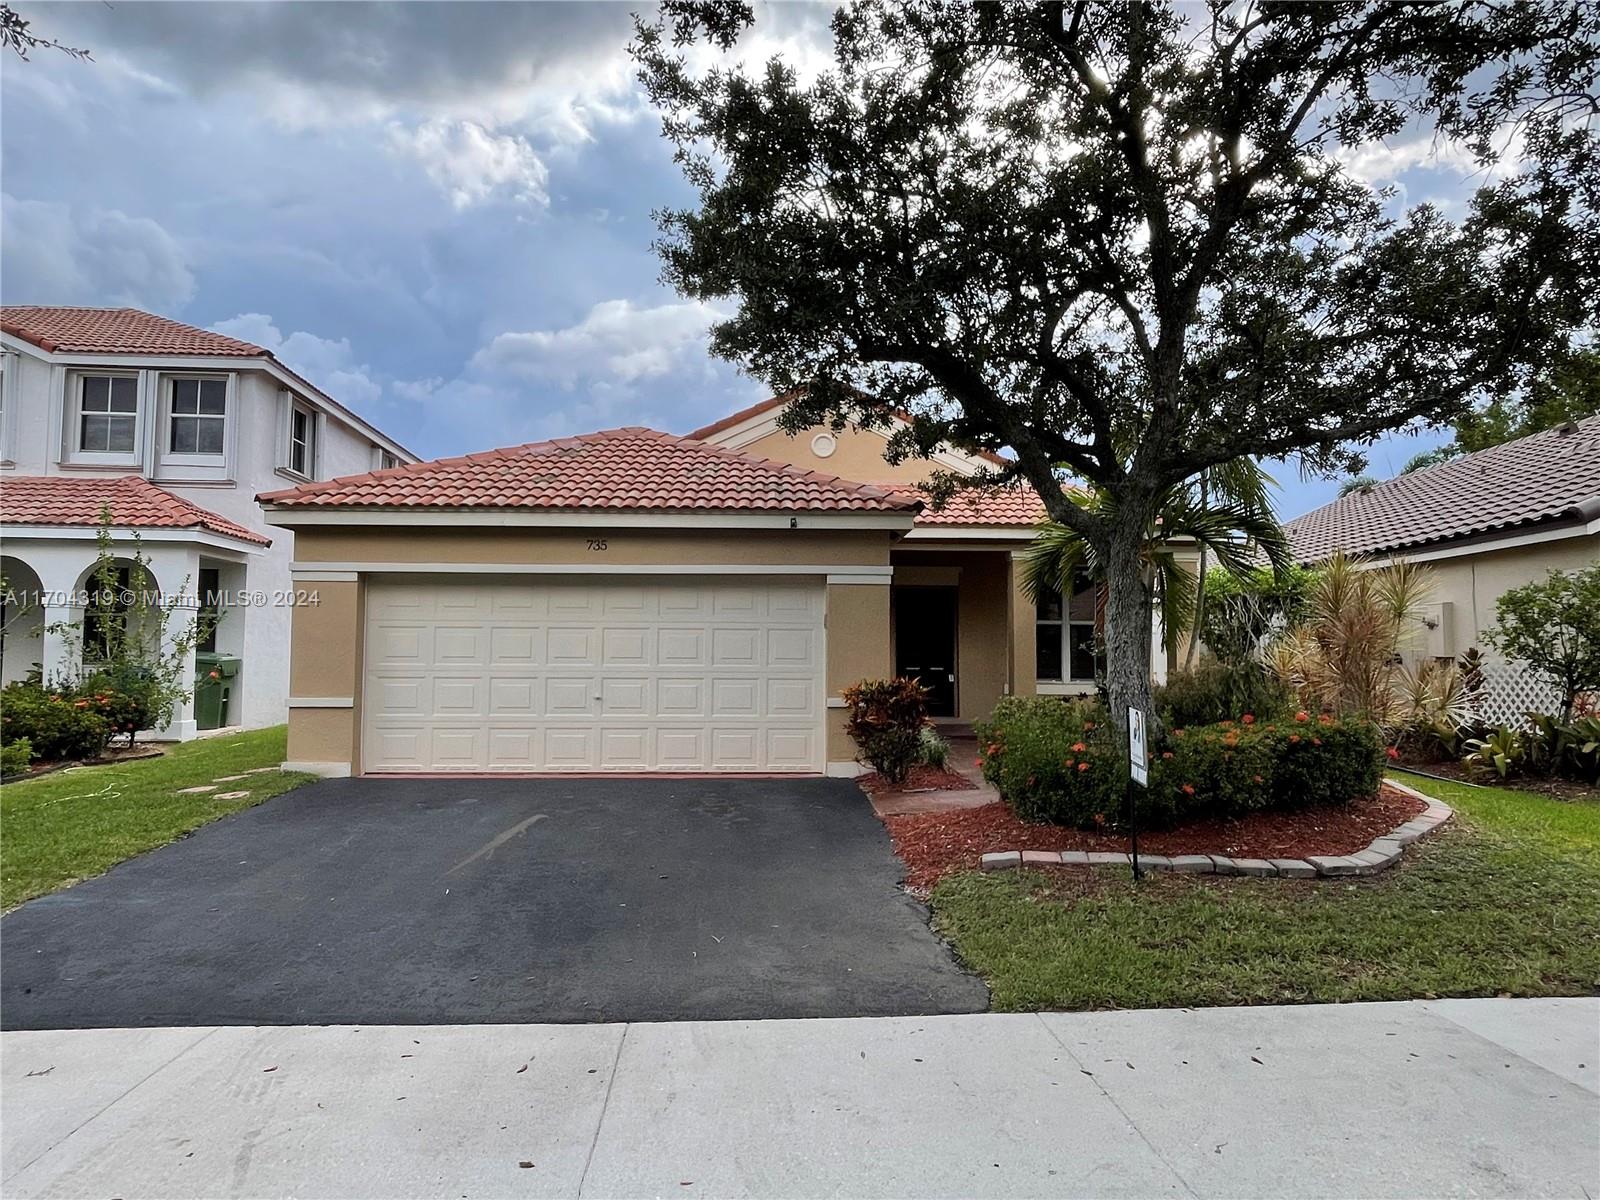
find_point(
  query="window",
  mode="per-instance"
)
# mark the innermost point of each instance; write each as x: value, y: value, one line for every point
x: 108, y: 413
x: 1065, y: 635
x: 105, y: 616
x: 198, y: 416
x: 302, y: 440
x: 386, y: 460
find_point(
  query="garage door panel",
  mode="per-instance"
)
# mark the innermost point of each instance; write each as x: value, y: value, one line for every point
x: 511, y: 645
x: 681, y: 647
x: 588, y: 674
x: 736, y: 748
x: 682, y: 749
x: 681, y: 697
x: 574, y: 646
x: 627, y: 647
x: 790, y: 748
x: 570, y: 746
x: 735, y: 647
x: 735, y: 697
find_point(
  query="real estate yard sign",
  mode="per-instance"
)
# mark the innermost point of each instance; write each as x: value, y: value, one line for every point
x: 1138, y: 773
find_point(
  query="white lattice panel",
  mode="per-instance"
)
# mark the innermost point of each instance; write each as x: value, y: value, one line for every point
x: 1511, y: 691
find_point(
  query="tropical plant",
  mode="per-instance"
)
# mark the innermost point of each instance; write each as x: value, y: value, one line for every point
x: 1553, y: 625
x: 1231, y: 520
x: 934, y: 749
x: 886, y: 719
x: 1555, y: 747
x: 131, y: 638
x: 1502, y: 753
x: 15, y: 757
x: 1431, y: 706
x: 1245, y: 609
x: 1346, y: 657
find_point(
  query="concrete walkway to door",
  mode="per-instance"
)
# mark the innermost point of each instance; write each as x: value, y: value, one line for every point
x: 1464, y: 1097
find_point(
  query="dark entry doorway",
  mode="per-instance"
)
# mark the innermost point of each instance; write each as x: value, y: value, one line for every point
x: 925, y: 643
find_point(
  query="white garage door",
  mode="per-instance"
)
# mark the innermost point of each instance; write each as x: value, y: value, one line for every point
x: 587, y: 674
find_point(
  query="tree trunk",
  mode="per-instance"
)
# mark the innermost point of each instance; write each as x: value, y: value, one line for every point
x: 1200, y: 591
x: 1127, y: 624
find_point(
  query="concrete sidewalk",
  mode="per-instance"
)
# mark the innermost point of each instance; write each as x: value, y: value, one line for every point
x: 1475, y: 1097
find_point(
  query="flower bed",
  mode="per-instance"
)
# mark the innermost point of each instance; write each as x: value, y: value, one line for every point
x: 1058, y: 762
x: 922, y: 778
x: 933, y: 845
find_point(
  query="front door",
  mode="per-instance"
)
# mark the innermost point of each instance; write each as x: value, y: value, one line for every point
x: 925, y: 643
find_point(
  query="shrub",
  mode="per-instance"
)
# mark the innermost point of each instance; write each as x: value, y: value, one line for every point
x: 124, y: 696
x: 15, y: 757
x: 1556, y: 747
x: 1058, y: 762
x: 58, y: 726
x: 1502, y: 753
x: 1053, y: 760
x: 886, y: 721
x: 1554, y: 627
x: 1213, y: 691
x: 935, y: 750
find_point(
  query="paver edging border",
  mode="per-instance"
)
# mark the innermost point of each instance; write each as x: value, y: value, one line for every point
x: 1381, y: 853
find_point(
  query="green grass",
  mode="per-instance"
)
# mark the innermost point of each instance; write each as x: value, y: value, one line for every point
x: 1504, y: 900
x: 78, y: 823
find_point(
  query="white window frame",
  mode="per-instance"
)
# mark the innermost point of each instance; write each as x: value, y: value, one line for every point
x: 308, y: 471
x: 1065, y: 623
x: 72, y: 440
x: 383, y: 460
x: 10, y: 367
x: 203, y: 467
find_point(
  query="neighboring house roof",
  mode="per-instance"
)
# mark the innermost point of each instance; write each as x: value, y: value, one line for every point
x: 1541, y: 478
x: 135, y: 503
x: 755, y: 410
x: 615, y: 470
x: 66, y: 330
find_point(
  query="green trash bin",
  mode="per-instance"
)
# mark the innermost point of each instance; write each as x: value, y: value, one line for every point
x: 213, y: 688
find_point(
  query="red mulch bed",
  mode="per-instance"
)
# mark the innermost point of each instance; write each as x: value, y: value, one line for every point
x: 933, y: 845
x: 918, y: 779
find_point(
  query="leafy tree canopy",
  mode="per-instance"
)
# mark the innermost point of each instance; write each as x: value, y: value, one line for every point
x: 1570, y: 391
x: 1553, y: 625
x: 1120, y: 240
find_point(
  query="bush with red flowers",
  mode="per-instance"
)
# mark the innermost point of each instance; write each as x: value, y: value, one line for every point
x: 1057, y: 761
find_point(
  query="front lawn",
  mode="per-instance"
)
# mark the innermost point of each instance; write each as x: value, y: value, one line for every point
x: 71, y: 825
x: 1504, y: 900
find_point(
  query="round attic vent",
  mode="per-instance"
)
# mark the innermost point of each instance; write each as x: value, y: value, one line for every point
x: 824, y: 444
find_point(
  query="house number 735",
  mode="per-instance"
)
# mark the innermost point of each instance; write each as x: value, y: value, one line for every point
x: 597, y: 544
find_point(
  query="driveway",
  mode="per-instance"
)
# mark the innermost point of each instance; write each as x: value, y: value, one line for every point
x: 367, y: 901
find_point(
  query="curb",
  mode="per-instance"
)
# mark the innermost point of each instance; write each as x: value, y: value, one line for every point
x: 1383, y: 852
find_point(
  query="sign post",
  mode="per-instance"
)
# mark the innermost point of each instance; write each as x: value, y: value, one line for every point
x: 1138, y: 774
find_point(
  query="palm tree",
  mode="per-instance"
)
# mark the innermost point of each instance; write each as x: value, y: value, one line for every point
x: 1227, y: 514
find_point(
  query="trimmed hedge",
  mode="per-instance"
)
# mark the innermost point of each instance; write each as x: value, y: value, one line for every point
x: 57, y: 726
x: 1059, y: 762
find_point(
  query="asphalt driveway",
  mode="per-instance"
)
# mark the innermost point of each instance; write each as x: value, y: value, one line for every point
x: 367, y: 901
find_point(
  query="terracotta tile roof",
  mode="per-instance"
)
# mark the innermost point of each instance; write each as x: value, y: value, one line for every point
x: 116, y: 331
x: 616, y: 469
x: 135, y: 503
x: 755, y: 410
x: 1538, y: 478
x: 1011, y: 505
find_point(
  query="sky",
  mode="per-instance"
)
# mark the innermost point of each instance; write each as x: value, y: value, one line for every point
x: 440, y: 214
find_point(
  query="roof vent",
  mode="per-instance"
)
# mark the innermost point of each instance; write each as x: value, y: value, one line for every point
x: 1566, y: 427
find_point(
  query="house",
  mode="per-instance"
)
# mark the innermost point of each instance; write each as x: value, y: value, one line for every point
x: 175, y: 429
x: 1483, y: 523
x: 632, y: 600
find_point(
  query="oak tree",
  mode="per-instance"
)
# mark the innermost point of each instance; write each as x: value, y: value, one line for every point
x: 1123, y: 243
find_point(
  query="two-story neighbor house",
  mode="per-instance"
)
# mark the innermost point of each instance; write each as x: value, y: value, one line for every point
x: 631, y: 600
x: 174, y: 429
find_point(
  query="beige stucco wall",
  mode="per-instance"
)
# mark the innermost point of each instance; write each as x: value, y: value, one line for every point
x: 326, y: 641
x: 858, y: 454
x: 626, y: 547
x: 858, y: 648
x: 1470, y: 585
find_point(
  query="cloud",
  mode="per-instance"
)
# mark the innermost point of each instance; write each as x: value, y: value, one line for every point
x: 328, y: 363
x: 56, y: 253
x: 617, y: 343
x: 472, y: 165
